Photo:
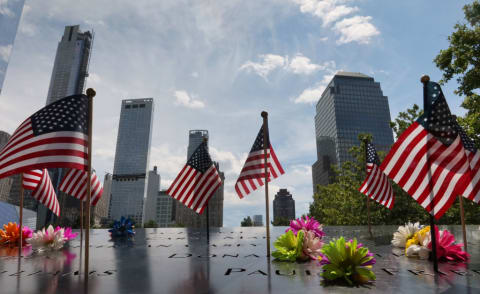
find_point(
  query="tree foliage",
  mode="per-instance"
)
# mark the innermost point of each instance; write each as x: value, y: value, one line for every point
x: 150, y: 224
x: 280, y: 221
x: 461, y: 60
x: 247, y: 222
x: 340, y: 203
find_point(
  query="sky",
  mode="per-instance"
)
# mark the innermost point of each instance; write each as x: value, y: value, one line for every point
x: 216, y: 65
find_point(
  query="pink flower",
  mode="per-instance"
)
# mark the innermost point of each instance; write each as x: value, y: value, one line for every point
x: 26, y: 233
x: 67, y: 233
x: 312, y: 245
x: 309, y: 224
x: 446, y: 249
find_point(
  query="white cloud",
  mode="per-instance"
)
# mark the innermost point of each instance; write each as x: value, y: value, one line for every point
x: 182, y: 98
x: 356, y: 29
x: 195, y: 74
x: 298, y: 65
x: 4, y: 10
x: 324, y: 39
x: 269, y: 63
x: 311, y: 95
x: 302, y: 65
x: 5, y: 52
x: 333, y: 13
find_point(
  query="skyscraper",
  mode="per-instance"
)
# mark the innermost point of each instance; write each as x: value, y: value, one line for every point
x: 187, y: 217
x: 152, y: 194
x: 100, y: 211
x: 258, y: 220
x: 70, y: 70
x: 71, y: 64
x: 129, y: 186
x: 283, y: 206
x: 351, y: 104
x: 10, y: 14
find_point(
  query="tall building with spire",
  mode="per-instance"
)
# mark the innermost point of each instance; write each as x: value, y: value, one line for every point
x: 70, y: 70
x: 10, y: 15
x: 185, y: 216
x: 130, y: 180
x: 352, y: 103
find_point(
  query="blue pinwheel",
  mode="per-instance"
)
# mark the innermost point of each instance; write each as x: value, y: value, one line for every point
x: 122, y: 228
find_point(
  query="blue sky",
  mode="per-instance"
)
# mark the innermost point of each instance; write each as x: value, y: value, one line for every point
x: 216, y: 65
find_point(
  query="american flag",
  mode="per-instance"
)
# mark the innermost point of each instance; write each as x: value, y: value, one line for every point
x: 253, y: 172
x: 428, y: 160
x: 74, y: 184
x: 39, y: 181
x: 472, y: 191
x: 55, y: 136
x: 376, y: 185
x: 197, y: 181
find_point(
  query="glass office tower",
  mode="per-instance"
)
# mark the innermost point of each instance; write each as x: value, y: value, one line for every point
x: 10, y: 14
x: 351, y: 104
x: 129, y: 185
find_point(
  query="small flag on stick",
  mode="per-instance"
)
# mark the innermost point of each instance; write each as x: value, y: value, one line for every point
x: 376, y: 185
x: 39, y: 182
x: 428, y: 160
x: 197, y: 181
x: 53, y: 137
x: 74, y: 184
x: 253, y: 172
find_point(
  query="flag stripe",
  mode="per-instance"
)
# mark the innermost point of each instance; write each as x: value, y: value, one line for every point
x: 74, y: 183
x: 39, y: 181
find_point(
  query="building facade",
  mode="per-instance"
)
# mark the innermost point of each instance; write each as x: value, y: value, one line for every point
x: 283, y: 206
x: 10, y: 14
x: 100, y: 211
x: 258, y: 220
x: 351, y: 104
x: 164, y: 206
x: 152, y: 194
x: 129, y: 180
x: 70, y: 70
x: 71, y: 64
x: 185, y: 216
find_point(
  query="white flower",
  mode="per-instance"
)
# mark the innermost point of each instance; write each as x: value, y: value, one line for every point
x: 417, y: 250
x: 47, y: 239
x: 404, y: 233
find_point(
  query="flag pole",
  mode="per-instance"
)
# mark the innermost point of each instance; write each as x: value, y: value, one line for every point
x: 462, y: 214
x: 266, y: 145
x: 81, y: 219
x: 207, y: 214
x: 90, y: 94
x: 365, y: 140
x: 462, y: 219
x: 21, y: 217
x: 425, y: 79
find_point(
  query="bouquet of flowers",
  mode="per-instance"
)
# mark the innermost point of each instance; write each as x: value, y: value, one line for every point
x: 417, y: 243
x: 10, y: 235
x: 301, y: 241
x: 347, y: 261
x: 51, y: 239
x: 122, y: 228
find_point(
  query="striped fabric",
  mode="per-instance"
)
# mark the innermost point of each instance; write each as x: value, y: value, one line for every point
x: 197, y: 181
x: 376, y: 185
x: 253, y: 172
x: 428, y: 160
x: 39, y: 181
x: 74, y: 184
x: 55, y: 136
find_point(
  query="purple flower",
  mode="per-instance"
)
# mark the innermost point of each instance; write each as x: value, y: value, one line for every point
x: 371, y: 261
x: 309, y: 224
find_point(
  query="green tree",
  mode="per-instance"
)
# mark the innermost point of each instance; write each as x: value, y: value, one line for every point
x: 340, y: 203
x: 247, y: 222
x: 461, y: 60
x: 281, y: 221
x: 150, y: 224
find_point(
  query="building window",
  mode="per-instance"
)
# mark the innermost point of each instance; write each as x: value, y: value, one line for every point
x: 142, y: 105
x: 135, y: 106
x: 127, y: 106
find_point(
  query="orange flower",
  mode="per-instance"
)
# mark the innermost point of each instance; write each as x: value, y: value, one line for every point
x: 10, y: 234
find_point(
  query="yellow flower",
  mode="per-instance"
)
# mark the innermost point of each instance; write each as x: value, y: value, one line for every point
x: 419, y: 238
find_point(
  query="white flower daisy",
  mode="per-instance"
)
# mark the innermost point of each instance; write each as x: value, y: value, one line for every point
x: 404, y: 233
